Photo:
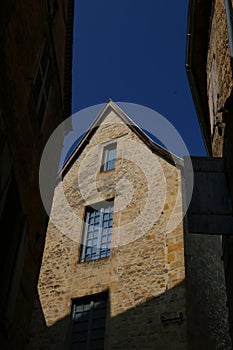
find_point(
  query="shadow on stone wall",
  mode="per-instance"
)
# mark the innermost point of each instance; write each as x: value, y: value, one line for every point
x: 207, y: 314
x: 158, y: 322
x: 43, y: 337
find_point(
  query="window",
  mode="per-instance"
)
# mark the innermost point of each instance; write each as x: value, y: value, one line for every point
x: 109, y: 157
x: 41, y: 84
x: 89, y: 322
x: 97, y: 231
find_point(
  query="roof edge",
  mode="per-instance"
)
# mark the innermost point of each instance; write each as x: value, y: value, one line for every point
x: 171, y: 158
x: 191, y: 65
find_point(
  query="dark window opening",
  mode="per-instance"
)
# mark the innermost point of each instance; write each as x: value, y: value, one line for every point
x: 89, y: 316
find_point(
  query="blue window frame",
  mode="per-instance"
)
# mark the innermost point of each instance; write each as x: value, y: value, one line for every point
x: 89, y: 322
x: 109, y: 157
x: 97, y: 231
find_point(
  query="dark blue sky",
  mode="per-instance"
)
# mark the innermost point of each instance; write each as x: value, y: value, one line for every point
x: 134, y: 51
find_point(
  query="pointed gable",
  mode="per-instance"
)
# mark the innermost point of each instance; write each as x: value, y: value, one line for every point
x: 105, y: 115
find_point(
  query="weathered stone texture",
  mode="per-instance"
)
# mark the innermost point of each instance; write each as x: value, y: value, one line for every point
x: 147, y: 273
x: 206, y: 295
x: 219, y: 74
x: 222, y: 141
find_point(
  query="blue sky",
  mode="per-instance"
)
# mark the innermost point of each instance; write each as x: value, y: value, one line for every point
x: 134, y: 51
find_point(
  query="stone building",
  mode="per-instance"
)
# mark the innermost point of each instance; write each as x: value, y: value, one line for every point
x: 118, y: 270
x: 35, y: 96
x: 210, y: 71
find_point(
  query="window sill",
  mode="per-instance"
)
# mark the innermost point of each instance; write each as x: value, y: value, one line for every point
x: 106, y: 171
x: 95, y: 261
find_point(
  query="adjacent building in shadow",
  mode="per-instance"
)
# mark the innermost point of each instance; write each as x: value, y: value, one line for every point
x: 210, y: 70
x: 35, y: 97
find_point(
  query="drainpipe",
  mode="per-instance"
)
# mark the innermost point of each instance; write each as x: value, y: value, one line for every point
x: 229, y: 19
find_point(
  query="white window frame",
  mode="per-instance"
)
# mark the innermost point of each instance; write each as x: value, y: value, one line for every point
x: 105, y: 157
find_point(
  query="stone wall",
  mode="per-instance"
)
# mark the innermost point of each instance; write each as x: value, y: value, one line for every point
x: 150, y: 278
x: 145, y: 271
x: 207, y: 315
x: 219, y: 74
x: 222, y: 141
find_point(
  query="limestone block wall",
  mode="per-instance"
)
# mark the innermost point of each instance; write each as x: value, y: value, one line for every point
x: 155, y: 272
x: 222, y: 141
x: 145, y: 271
x: 207, y: 314
x: 219, y: 74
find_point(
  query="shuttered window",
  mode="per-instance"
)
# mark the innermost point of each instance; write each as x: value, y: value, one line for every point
x: 97, y: 231
x: 89, y: 322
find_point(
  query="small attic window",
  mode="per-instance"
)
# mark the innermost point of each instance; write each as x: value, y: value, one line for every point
x: 109, y: 157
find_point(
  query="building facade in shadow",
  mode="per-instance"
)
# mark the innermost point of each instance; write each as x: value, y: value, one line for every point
x: 210, y: 70
x: 35, y: 97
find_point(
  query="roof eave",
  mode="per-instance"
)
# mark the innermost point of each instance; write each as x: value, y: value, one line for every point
x: 86, y: 138
x: 197, y: 37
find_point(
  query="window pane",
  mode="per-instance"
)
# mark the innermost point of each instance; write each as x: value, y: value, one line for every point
x: 88, y: 331
x: 111, y: 159
x: 110, y: 164
x: 112, y: 154
x: 106, y: 216
x: 98, y: 232
x: 109, y: 156
x: 88, y: 251
x: 105, y: 224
